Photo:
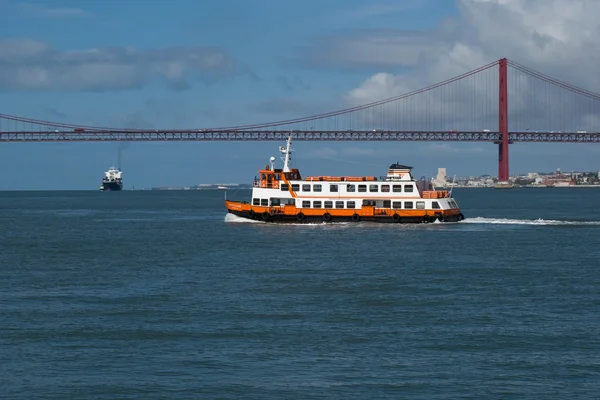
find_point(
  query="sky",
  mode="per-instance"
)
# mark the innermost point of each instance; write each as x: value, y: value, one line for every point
x: 174, y: 64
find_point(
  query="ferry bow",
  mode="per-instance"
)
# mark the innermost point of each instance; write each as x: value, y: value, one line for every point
x: 282, y: 195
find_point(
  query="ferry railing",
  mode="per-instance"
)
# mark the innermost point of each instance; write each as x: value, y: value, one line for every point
x: 266, y: 185
x: 435, y: 194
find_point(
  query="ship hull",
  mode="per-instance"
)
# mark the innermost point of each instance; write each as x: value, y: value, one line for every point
x: 266, y: 214
x: 111, y: 186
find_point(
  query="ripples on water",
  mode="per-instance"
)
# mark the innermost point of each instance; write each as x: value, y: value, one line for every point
x: 161, y: 295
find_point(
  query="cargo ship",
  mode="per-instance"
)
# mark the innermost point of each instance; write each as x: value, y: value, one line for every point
x: 281, y: 195
x: 112, y: 180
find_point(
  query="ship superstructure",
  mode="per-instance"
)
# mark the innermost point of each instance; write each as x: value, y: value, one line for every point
x: 282, y: 195
x: 112, y: 180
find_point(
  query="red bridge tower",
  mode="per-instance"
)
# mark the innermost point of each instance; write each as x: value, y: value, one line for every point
x: 503, y: 121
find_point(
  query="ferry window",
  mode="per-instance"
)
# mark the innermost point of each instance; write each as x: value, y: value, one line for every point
x: 306, y: 188
x: 263, y: 177
x: 385, y: 188
x: 328, y: 204
x: 408, y: 188
x: 351, y: 204
x: 277, y: 177
x: 289, y: 202
x: 317, y: 188
x: 420, y: 205
x: 350, y: 188
x: 373, y: 188
x: 435, y: 205
x: 397, y: 204
x: 333, y: 188
x: 295, y: 187
x: 408, y: 204
x: 387, y: 204
x: 362, y: 188
x: 316, y: 204
x: 339, y: 204
x: 306, y: 204
x: 284, y: 187
x: 264, y: 202
x: 256, y: 202
x: 275, y: 202
x: 397, y: 189
x: 368, y: 202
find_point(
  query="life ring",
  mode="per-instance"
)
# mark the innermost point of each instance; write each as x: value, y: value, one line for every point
x: 396, y: 217
x: 251, y: 214
x: 355, y: 217
x: 461, y: 217
x: 300, y: 216
x: 326, y: 217
x: 266, y: 216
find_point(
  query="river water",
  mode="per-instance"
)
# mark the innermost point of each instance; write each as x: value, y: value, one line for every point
x: 144, y: 294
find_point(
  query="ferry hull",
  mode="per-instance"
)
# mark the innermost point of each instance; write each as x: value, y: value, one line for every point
x: 267, y: 214
x: 282, y: 195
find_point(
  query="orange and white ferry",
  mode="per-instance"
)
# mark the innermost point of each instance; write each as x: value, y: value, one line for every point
x: 282, y: 195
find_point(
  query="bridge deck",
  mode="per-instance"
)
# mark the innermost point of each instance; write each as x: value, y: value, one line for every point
x: 281, y: 135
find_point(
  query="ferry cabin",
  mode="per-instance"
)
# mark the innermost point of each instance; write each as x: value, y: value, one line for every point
x: 281, y: 196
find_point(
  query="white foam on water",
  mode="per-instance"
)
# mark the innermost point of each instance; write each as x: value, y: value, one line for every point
x: 232, y: 218
x: 539, y: 221
x: 237, y: 219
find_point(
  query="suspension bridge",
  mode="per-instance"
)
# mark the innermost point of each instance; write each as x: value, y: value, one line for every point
x: 503, y: 102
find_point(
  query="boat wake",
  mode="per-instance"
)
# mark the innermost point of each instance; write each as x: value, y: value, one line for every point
x: 235, y: 219
x: 231, y: 218
x: 540, y: 222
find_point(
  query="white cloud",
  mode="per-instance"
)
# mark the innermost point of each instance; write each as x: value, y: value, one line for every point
x: 373, y: 48
x: 33, y: 65
x: 556, y: 37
